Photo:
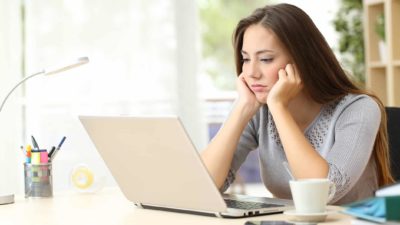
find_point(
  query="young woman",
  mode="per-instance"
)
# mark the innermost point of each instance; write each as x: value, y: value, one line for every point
x: 298, y: 107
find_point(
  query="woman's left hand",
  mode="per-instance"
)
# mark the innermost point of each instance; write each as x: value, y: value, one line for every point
x: 289, y: 84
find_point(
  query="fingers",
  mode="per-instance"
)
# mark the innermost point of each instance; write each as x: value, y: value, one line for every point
x: 297, y: 74
x: 242, y: 84
x: 292, y: 73
x: 282, y: 74
x: 241, y: 79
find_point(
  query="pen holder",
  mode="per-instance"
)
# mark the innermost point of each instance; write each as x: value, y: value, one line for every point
x: 38, y: 180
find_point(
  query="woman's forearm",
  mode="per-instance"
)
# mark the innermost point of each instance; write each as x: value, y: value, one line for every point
x: 218, y: 155
x: 304, y: 160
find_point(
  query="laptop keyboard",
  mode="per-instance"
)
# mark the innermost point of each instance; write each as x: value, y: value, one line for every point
x: 248, y: 205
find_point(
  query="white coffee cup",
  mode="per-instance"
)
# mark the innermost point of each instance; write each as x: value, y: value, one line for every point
x: 311, y: 195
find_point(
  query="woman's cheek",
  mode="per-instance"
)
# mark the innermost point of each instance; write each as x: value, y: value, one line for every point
x: 273, y: 78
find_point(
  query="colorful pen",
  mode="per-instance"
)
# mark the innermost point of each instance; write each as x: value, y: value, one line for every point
x: 57, y: 149
x: 51, y: 151
x: 35, y: 144
x: 44, y: 158
x: 35, y: 159
x: 28, y: 153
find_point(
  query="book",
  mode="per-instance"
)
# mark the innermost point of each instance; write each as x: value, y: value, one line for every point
x: 377, y: 209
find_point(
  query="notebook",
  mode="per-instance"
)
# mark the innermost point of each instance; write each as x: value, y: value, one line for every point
x: 157, y: 167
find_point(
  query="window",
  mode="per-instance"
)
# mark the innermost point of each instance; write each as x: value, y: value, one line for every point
x: 143, y: 61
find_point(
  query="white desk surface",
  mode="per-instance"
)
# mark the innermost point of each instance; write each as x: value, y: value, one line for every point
x: 109, y: 206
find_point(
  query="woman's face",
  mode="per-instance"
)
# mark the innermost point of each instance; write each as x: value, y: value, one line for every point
x: 263, y: 56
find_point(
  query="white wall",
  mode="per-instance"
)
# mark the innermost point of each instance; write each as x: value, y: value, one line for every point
x: 322, y: 13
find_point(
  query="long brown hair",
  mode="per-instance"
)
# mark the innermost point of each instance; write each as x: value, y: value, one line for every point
x: 323, y: 78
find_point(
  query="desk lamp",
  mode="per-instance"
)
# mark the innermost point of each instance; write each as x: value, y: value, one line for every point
x: 9, y: 198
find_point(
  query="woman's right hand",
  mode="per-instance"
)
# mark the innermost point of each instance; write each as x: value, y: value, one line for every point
x: 246, y: 97
x: 218, y: 155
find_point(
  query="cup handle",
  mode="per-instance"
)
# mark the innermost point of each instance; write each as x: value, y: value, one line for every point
x: 332, y: 191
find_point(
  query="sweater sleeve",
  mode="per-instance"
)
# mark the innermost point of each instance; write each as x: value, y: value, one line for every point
x: 248, y: 141
x: 354, y: 137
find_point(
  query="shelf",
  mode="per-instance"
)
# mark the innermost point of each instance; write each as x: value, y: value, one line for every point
x: 394, y: 83
x: 376, y: 83
x: 377, y: 65
x: 383, y: 78
x: 395, y: 29
x: 372, y: 13
x: 374, y: 2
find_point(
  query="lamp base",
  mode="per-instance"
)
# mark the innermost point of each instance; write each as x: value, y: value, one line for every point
x: 6, y: 199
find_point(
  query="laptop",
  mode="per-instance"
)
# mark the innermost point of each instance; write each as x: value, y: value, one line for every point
x: 156, y: 166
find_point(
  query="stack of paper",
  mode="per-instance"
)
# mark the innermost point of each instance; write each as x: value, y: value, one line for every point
x: 366, y: 222
x: 390, y: 190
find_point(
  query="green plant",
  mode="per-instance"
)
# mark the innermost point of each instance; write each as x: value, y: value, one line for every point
x: 348, y: 24
x: 380, y: 26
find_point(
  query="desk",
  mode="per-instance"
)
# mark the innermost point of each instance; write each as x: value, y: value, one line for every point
x: 109, y: 206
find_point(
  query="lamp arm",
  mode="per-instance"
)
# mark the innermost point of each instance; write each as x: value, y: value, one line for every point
x: 19, y: 83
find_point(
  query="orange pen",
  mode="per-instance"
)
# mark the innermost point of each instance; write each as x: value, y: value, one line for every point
x: 28, y: 153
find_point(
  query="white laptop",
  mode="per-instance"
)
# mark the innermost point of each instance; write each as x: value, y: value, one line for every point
x: 157, y: 167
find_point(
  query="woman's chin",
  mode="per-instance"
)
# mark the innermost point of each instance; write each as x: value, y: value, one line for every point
x: 262, y: 99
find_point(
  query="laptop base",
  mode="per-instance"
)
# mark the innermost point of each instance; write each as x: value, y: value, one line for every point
x: 210, y: 214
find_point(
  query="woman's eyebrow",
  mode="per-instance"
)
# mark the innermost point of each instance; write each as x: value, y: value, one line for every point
x: 257, y: 52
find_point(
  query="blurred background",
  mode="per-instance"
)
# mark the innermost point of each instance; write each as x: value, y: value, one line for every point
x: 147, y: 57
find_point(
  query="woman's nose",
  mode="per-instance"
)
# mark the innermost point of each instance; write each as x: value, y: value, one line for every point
x: 252, y: 70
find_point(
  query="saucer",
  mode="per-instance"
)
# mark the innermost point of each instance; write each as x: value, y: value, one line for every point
x: 306, y: 217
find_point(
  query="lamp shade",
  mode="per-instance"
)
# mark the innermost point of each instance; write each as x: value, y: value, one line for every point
x: 64, y: 67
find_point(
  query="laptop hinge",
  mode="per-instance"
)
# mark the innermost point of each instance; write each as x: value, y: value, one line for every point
x: 138, y: 204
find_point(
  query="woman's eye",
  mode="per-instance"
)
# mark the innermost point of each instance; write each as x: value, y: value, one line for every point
x: 245, y: 60
x: 266, y: 59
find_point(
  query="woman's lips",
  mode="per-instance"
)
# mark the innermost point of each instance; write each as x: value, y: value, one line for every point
x: 258, y: 88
